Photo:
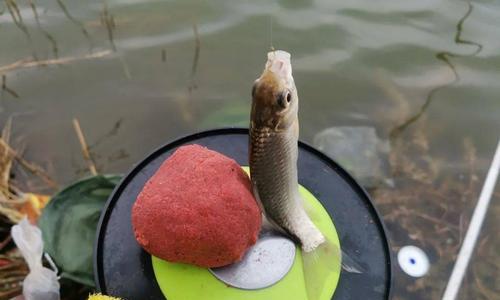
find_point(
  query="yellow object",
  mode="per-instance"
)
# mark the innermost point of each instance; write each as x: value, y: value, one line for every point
x: 101, y: 297
x: 33, y: 206
x: 187, y: 282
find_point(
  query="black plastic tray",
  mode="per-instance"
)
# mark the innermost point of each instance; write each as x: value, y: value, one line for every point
x: 123, y: 269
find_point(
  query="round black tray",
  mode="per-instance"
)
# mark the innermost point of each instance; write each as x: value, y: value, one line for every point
x: 123, y: 269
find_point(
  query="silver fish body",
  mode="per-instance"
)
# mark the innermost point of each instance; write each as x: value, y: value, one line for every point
x: 273, y: 155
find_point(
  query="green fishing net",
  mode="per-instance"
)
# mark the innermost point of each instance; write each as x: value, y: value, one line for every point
x: 69, y: 224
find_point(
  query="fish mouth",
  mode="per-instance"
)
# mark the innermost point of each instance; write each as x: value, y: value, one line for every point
x: 276, y: 77
x: 278, y: 65
x: 278, y: 70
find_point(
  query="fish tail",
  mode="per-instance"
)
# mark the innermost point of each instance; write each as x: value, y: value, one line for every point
x: 319, y: 264
x: 310, y: 236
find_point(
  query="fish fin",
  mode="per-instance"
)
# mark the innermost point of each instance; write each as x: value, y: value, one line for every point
x: 350, y: 265
x: 321, y: 262
x: 318, y: 265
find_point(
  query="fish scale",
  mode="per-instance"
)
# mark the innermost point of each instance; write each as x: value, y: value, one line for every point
x: 274, y: 180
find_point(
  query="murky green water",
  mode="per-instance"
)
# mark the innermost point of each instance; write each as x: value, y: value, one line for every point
x: 427, y: 72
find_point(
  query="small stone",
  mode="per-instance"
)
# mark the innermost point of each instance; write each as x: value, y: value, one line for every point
x: 359, y: 151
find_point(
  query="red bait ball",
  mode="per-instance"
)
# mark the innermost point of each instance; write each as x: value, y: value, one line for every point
x: 198, y: 208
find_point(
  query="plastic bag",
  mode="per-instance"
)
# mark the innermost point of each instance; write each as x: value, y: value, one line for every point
x: 41, y: 283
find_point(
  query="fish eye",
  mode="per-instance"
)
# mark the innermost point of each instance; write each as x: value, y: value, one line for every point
x: 284, y: 99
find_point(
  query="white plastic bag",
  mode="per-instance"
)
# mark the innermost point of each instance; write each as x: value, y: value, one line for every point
x: 41, y: 283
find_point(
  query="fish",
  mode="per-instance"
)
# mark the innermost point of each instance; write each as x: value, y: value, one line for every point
x: 273, y: 154
x: 274, y: 132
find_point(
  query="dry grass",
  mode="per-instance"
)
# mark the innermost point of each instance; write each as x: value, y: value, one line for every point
x: 14, y: 204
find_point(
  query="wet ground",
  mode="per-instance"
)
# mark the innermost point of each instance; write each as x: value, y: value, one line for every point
x: 139, y: 73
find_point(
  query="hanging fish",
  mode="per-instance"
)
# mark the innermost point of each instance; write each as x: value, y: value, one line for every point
x: 274, y: 133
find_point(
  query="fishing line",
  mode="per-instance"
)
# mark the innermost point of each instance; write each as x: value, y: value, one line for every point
x: 271, y: 31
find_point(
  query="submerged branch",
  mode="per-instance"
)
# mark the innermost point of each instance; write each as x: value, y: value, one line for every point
x: 184, y: 100
x: 108, y: 135
x: 36, y: 170
x: 444, y: 57
x: 108, y: 21
x: 28, y: 63
x: 76, y: 22
x: 85, y: 147
x: 7, y: 89
x: 49, y: 37
x: 17, y: 18
x: 196, y: 51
